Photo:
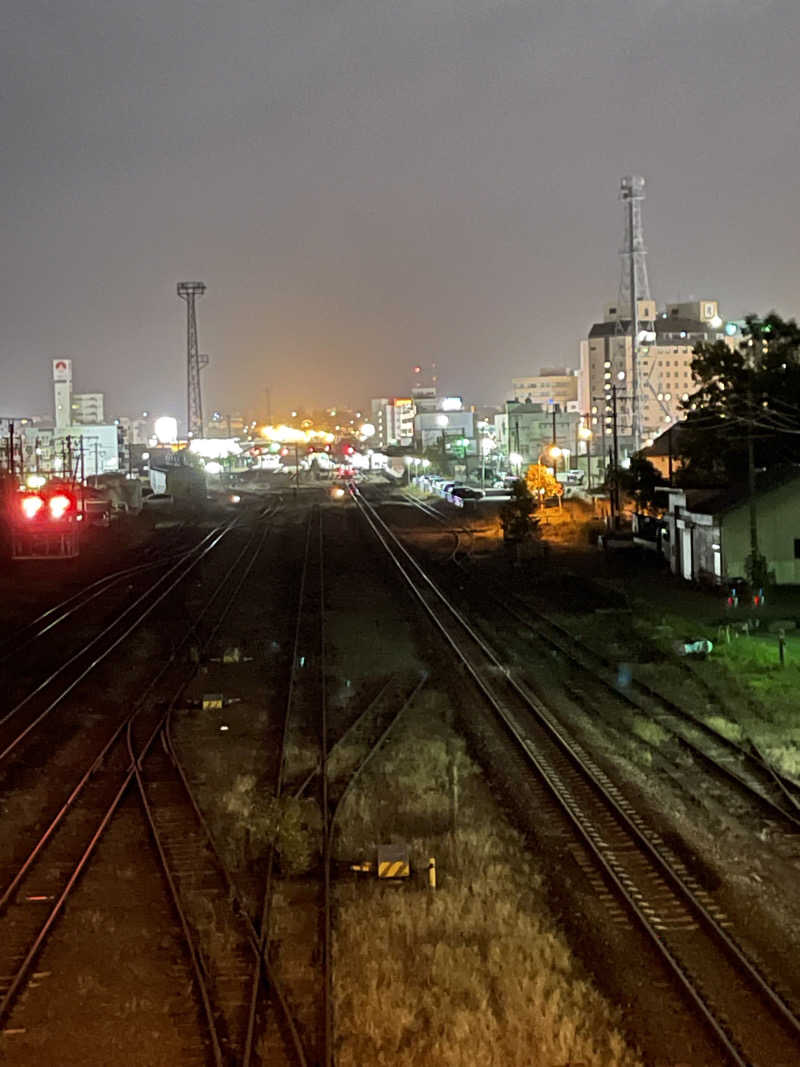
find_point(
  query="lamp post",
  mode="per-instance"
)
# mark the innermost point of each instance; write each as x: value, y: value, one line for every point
x: 515, y: 459
x: 585, y: 434
x: 443, y: 422
x: 487, y: 446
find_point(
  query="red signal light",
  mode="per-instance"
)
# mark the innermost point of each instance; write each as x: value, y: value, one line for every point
x: 284, y: 451
x: 31, y: 505
x: 59, y: 505
x: 349, y: 450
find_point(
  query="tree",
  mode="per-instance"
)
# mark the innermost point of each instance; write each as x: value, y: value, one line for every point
x: 516, y: 515
x: 753, y: 390
x: 542, y: 483
x: 639, y: 481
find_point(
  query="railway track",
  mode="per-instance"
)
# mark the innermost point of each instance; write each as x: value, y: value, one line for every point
x: 742, y: 765
x: 745, y: 767
x: 69, y: 608
x: 35, y: 892
x: 751, y: 1021
x: 26, y: 714
x: 297, y: 917
x: 291, y: 930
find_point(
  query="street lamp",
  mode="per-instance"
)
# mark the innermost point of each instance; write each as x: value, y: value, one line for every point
x: 515, y: 459
x: 487, y: 446
x: 585, y: 434
x: 443, y: 422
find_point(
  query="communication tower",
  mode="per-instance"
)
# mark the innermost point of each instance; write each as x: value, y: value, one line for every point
x: 194, y: 361
x: 634, y: 286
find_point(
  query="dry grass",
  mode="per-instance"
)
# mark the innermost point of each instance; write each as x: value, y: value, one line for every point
x: 475, y: 973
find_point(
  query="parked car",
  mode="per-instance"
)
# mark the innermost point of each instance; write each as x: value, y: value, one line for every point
x: 158, y: 500
x: 467, y: 493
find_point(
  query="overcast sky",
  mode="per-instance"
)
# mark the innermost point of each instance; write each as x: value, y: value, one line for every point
x: 366, y: 184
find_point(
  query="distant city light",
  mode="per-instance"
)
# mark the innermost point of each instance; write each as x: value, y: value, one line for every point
x: 215, y: 447
x: 212, y: 467
x: 452, y: 403
x: 291, y: 435
x: 442, y: 421
x: 166, y: 428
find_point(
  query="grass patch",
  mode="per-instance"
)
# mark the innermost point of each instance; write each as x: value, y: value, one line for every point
x: 476, y: 972
x: 743, y: 676
x: 649, y: 731
x: 731, y: 730
x: 258, y: 820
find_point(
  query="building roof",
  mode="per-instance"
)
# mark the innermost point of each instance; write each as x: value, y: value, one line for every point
x: 714, y: 500
x: 666, y: 442
x: 664, y: 328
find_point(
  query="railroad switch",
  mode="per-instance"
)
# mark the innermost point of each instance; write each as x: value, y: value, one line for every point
x: 393, y: 861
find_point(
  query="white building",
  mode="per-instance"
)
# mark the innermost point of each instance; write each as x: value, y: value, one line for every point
x: 87, y: 409
x: 393, y: 419
x: 663, y: 367
x: 62, y: 391
x: 70, y: 451
x: 446, y: 430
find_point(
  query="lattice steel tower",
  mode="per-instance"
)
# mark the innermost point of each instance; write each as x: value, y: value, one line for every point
x: 194, y: 361
x: 634, y: 285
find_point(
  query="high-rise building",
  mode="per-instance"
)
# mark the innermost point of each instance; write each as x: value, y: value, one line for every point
x: 87, y: 409
x: 553, y: 387
x: 393, y: 419
x: 663, y: 365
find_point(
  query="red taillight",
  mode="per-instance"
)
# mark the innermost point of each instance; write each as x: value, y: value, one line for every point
x: 31, y: 505
x: 59, y: 505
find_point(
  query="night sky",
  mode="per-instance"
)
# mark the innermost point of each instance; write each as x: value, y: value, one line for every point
x: 365, y: 185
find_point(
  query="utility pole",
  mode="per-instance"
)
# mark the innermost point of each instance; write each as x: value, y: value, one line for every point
x: 189, y: 291
x: 615, y: 431
x: 11, y: 449
x: 669, y: 446
x: 589, y: 453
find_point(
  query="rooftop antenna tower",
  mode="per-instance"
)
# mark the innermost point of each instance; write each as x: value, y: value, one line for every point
x: 194, y: 361
x: 634, y: 285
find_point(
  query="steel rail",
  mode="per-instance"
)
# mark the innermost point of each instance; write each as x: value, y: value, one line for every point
x: 271, y: 983
x: 599, y: 787
x: 78, y: 792
x: 206, y: 546
x: 242, y: 921
x: 107, y: 748
x: 77, y: 601
x: 327, y: 916
x: 99, y: 637
x: 266, y: 903
x: 367, y: 758
x: 351, y: 729
x: 574, y: 649
x: 580, y: 653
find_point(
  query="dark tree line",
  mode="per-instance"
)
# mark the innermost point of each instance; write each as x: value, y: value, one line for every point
x: 751, y: 391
